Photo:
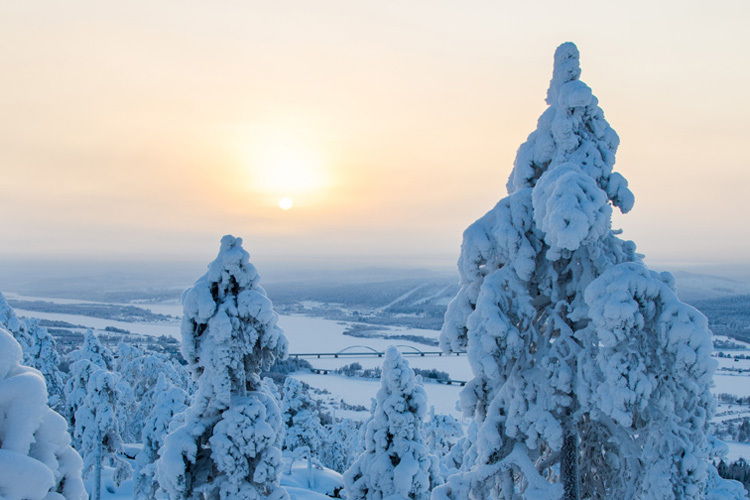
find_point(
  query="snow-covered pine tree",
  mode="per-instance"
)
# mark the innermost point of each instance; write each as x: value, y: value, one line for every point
x: 39, y: 350
x: 396, y: 463
x: 79, y: 374
x: 569, y: 336
x: 168, y: 402
x: 520, y: 311
x: 649, y: 377
x: 229, y: 446
x: 98, y: 431
x: 362, y: 438
x: 342, y: 444
x: 12, y: 323
x: 442, y: 432
x: 139, y: 377
x: 91, y: 357
x: 94, y: 351
x: 301, y: 420
x: 124, y: 354
x: 42, y: 354
x: 463, y: 455
x: 36, y: 459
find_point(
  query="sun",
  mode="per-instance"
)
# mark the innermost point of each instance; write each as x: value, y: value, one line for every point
x: 285, y: 203
x: 284, y: 163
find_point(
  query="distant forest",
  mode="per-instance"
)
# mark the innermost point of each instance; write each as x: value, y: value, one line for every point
x: 728, y: 316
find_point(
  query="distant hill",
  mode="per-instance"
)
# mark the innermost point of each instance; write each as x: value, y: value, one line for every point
x: 692, y: 287
x: 388, y: 296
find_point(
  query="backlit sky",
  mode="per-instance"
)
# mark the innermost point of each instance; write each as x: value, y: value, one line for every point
x: 148, y: 129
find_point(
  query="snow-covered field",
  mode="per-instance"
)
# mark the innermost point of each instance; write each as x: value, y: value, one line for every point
x: 359, y: 392
x: 736, y: 384
x: 315, y: 335
x: 737, y: 451
x: 297, y: 481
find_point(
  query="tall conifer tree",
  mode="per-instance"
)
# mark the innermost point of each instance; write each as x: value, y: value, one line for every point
x: 396, y: 463
x: 229, y: 446
x: 539, y: 337
x: 524, y: 267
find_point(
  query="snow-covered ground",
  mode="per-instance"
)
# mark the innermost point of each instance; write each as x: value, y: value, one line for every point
x: 737, y: 451
x: 359, y: 392
x: 298, y: 482
x: 737, y: 384
x: 313, y: 335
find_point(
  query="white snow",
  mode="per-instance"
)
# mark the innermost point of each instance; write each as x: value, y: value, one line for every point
x: 36, y: 460
x: 737, y: 451
x: 360, y: 392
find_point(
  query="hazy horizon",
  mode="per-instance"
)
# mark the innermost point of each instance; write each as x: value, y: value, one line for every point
x: 24, y: 274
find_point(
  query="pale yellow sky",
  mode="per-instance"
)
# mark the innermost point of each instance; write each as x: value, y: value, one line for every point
x: 146, y: 129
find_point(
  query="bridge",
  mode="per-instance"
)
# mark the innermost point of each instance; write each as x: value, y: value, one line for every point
x: 363, y: 351
x: 367, y: 351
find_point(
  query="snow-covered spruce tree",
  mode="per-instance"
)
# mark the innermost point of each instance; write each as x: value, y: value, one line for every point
x: 442, y: 432
x: 98, y: 431
x: 39, y: 350
x: 650, y: 378
x: 79, y: 374
x: 94, y: 351
x: 167, y: 402
x: 362, y: 438
x: 396, y: 464
x: 13, y: 324
x: 139, y: 378
x: 91, y: 357
x: 301, y: 420
x: 520, y: 311
x: 124, y: 354
x: 42, y: 355
x: 463, y: 455
x: 563, y: 406
x: 229, y: 446
x: 36, y: 459
x: 341, y: 446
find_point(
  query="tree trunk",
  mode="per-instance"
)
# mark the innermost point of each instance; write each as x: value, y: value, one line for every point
x: 310, y: 477
x: 98, y: 469
x: 506, y: 485
x: 569, y: 462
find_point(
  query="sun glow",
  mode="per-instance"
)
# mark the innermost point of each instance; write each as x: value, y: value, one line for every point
x: 285, y: 163
x: 285, y: 203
